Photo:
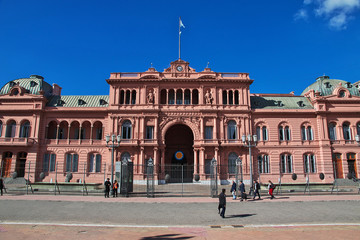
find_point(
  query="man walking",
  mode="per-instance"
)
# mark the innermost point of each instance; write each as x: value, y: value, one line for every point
x: 107, y: 187
x: 242, y: 191
x: 257, y: 189
x: 222, y: 203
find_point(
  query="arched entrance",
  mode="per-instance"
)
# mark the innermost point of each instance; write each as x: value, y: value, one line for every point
x: 20, y: 164
x: 179, y: 156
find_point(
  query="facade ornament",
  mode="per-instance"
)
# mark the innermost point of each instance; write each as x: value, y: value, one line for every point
x: 208, y: 97
x: 150, y: 97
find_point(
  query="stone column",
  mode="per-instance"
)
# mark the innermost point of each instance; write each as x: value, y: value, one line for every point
x: 202, y: 162
x: 196, y: 162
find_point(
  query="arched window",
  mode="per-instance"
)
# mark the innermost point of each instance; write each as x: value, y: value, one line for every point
x: 225, y: 97
x: 187, y: 97
x: 25, y: 130
x: 236, y: 97
x: 286, y: 163
x: 72, y: 162
x: 94, y: 164
x: 346, y: 131
x: 284, y: 133
x: 232, y: 130
x: 231, y: 97
x: 307, y: 133
x: 163, y: 96
x: 133, y: 97
x: 309, y: 163
x: 179, y: 96
x: 49, y: 162
x: 10, y: 129
x: 195, y: 96
x: 127, y: 97
x: 126, y: 130
x: 332, y: 131
x: 262, y: 133
x: 264, y: 163
x: 122, y: 96
x: 171, y: 96
x: 232, y: 163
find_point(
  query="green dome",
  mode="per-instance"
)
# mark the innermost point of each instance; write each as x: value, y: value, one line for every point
x: 33, y: 85
x: 326, y: 86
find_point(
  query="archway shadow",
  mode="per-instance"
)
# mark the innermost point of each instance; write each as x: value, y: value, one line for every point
x: 166, y: 237
x: 239, y: 215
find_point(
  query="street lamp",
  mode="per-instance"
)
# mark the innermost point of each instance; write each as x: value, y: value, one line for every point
x: 250, y: 141
x: 115, y: 142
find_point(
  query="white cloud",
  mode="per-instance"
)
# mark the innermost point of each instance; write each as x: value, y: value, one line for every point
x: 301, y: 14
x: 336, y: 12
x: 343, y: 6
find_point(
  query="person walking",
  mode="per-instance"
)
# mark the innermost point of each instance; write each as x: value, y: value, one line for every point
x: 115, y: 189
x: 107, y: 187
x: 233, y: 190
x: 242, y: 191
x: 2, y: 186
x: 271, y: 188
x: 257, y: 189
x: 222, y: 203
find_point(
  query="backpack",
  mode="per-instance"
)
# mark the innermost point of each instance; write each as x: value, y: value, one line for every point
x: 273, y: 186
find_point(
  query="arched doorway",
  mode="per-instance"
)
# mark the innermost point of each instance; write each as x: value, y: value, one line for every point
x: 6, y: 164
x: 20, y: 164
x: 179, y: 156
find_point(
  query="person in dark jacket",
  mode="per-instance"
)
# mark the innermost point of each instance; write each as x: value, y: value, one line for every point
x: 242, y: 191
x: 222, y: 203
x: 257, y: 189
x: 2, y: 186
x: 233, y: 190
x: 107, y: 187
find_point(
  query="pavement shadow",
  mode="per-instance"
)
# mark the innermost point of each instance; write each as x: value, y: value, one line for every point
x: 239, y: 215
x: 166, y: 237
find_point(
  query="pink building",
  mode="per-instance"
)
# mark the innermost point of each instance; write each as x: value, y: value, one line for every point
x: 180, y: 117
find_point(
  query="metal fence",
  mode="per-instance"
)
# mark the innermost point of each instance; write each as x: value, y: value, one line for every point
x: 152, y: 181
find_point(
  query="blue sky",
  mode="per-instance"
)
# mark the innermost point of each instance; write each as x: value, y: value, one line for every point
x: 284, y: 45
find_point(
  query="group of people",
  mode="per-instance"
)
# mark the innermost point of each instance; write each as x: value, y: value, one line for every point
x: 114, y: 186
x: 243, y: 195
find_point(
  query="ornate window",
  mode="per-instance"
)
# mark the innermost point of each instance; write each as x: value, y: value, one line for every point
x: 94, y: 162
x: 332, y: 131
x: 209, y: 132
x: 49, y: 162
x: 232, y: 163
x: 307, y: 133
x: 187, y: 97
x: 346, y: 131
x: 133, y: 97
x: 10, y: 129
x: 309, y: 163
x: 179, y: 96
x: 72, y: 162
x: 262, y: 133
x: 126, y: 130
x: 126, y: 156
x: 232, y: 135
x: 286, y: 163
x: 149, y: 132
x: 25, y: 130
x: 264, y: 163
x: 284, y: 133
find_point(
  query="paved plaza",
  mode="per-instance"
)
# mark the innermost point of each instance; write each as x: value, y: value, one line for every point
x: 94, y: 217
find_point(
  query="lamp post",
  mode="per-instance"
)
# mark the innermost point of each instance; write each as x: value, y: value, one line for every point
x: 250, y: 141
x: 115, y: 142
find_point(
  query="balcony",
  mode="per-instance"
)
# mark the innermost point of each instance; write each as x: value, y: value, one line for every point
x: 11, y: 141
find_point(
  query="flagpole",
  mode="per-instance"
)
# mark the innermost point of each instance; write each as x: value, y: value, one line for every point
x: 179, y: 38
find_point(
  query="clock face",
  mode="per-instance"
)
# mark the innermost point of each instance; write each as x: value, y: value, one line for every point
x: 179, y: 68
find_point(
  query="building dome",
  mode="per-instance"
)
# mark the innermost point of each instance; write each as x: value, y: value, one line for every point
x: 326, y: 86
x: 33, y: 85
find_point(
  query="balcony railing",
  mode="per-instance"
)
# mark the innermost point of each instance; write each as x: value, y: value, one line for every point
x: 17, y: 141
